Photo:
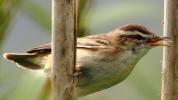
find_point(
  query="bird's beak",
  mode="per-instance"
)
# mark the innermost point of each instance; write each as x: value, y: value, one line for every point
x: 156, y: 41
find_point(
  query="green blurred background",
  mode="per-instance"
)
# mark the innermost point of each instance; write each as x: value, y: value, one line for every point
x: 25, y: 24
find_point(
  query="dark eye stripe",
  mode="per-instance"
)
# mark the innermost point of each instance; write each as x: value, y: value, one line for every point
x: 138, y: 37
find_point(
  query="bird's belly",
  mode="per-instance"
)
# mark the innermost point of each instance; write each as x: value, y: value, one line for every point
x: 99, y: 72
x: 100, y: 76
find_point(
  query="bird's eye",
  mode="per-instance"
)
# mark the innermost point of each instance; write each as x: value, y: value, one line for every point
x: 139, y: 37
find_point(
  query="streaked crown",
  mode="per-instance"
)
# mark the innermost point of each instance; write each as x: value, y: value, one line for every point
x: 136, y: 31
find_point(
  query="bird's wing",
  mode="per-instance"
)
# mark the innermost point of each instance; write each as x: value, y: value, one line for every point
x: 89, y: 42
x: 43, y: 49
x: 93, y: 42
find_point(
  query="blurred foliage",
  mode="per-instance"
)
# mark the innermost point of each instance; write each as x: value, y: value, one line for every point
x: 122, y: 12
x: 41, y: 15
x: 38, y: 88
x: 7, y: 11
x: 84, y: 7
x: 45, y: 92
x: 35, y: 11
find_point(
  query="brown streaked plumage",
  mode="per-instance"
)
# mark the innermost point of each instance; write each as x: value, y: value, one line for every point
x: 136, y: 27
x: 104, y: 60
x: 46, y: 49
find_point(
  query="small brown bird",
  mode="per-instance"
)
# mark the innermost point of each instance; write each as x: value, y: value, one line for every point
x: 102, y: 57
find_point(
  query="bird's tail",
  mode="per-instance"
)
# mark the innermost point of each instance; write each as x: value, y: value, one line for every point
x: 27, y: 61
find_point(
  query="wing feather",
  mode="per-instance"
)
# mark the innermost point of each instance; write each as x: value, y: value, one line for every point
x: 45, y: 49
x: 93, y: 42
x: 89, y: 42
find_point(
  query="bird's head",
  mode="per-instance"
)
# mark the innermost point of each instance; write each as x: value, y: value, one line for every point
x: 137, y: 38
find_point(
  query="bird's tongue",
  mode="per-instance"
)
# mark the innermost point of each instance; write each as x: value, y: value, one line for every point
x: 157, y: 41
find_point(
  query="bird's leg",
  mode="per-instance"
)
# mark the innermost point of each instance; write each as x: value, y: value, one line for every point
x: 77, y: 70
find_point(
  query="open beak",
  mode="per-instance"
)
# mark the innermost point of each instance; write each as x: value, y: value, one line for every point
x: 157, y: 41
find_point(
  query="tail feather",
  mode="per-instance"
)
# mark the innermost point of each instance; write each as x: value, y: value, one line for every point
x: 23, y: 60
